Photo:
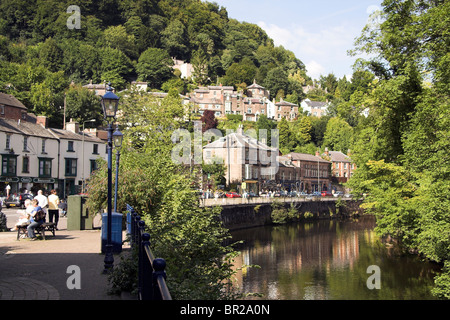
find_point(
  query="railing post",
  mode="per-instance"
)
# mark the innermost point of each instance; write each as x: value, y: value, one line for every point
x: 136, y: 230
x: 159, y: 266
x: 146, y: 270
x: 133, y: 227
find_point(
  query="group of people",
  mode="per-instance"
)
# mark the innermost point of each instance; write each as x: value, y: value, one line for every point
x: 32, y: 207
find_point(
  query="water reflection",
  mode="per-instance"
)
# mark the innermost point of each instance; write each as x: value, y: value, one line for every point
x: 327, y: 260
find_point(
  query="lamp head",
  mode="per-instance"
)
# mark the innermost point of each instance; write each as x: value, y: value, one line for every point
x: 110, y: 104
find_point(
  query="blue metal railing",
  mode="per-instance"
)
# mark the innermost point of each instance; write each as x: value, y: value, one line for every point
x: 151, y: 271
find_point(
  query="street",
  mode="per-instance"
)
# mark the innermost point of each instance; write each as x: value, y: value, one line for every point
x: 12, y: 215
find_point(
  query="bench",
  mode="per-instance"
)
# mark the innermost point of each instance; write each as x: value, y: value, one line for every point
x: 46, y: 226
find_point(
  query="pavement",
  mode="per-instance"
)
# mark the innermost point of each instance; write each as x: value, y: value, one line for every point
x: 67, y: 266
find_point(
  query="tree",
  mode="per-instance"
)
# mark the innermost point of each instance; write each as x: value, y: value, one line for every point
x: 174, y: 39
x: 189, y: 237
x: 338, y: 135
x: 242, y: 72
x: 82, y: 105
x: 285, y: 137
x: 402, y: 148
x: 276, y: 80
x: 154, y: 66
x: 209, y: 120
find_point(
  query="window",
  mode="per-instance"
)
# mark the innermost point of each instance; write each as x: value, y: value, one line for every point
x: 25, y: 144
x: 70, y: 146
x: 25, y: 164
x: 94, y: 165
x: 95, y: 149
x: 43, y: 146
x: 8, y: 142
x: 9, y: 165
x: 248, y: 171
x: 45, y: 167
x: 2, y: 109
x: 71, y: 167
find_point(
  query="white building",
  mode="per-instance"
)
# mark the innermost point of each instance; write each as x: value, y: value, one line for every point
x: 37, y: 157
x: 315, y: 108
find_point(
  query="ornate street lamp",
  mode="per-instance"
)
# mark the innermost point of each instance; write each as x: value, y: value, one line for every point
x: 110, y: 104
x: 117, y: 138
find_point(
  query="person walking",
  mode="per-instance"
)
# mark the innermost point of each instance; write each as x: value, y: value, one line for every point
x: 53, y: 210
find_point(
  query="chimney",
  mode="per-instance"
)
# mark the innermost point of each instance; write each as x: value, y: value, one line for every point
x: 42, y: 120
x: 73, y: 126
x: 327, y: 153
x: 317, y: 153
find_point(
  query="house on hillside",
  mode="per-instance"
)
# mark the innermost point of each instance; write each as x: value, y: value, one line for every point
x: 315, y: 108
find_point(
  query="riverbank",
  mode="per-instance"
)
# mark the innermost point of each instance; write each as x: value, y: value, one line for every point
x: 252, y: 215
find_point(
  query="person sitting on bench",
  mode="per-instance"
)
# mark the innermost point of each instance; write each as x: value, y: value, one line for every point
x: 25, y: 216
x: 37, y: 218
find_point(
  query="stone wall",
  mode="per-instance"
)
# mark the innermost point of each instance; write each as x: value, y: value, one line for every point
x: 251, y: 215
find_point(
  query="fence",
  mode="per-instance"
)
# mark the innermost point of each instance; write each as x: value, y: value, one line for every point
x: 151, y: 271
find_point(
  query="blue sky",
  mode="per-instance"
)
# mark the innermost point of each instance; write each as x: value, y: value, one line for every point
x: 319, y: 32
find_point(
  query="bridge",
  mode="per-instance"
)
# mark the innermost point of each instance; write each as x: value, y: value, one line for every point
x: 212, y: 202
x: 238, y: 213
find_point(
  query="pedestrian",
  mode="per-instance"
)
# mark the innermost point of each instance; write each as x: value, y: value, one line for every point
x: 42, y: 200
x: 53, y: 210
x: 63, y: 207
x: 37, y: 218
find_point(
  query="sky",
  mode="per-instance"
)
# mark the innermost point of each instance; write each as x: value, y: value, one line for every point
x: 319, y: 32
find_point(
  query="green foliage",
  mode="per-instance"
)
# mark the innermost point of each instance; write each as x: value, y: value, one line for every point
x: 401, y: 149
x: 281, y: 215
x: 189, y: 237
x: 154, y: 67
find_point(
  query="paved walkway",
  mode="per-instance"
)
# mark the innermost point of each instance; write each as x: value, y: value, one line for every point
x: 38, y: 270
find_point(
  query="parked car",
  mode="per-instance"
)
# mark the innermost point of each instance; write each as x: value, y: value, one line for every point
x: 338, y: 194
x: 302, y: 194
x: 251, y: 194
x: 316, y: 194
x: 18, y: 200
x: 326, y: 194
x: 233, y: 195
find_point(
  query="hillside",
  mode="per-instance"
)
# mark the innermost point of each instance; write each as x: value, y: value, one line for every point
x: 42, y: 50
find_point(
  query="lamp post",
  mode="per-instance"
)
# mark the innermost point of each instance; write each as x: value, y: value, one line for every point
x: 117, y: 138
x: 110, y: 104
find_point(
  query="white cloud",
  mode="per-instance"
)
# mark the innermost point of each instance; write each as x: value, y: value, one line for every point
x: 325, y: 49
x: 314, y: 69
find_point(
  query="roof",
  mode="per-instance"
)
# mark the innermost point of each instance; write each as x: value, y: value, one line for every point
x: 70, y: 135
x: 255, y: 86
x: 306, y: 157
x: 315, y: 104
x: 239, y: 140
x: 10, y: 100
x: 285, y: 103
x: 338, y: 156
x: 25, y: 128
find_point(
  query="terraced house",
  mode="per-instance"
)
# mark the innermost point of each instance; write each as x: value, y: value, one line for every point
x: 35, y: 156
x: 224, y: 100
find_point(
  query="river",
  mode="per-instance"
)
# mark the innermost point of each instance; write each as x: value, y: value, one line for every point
x: 328, y: 260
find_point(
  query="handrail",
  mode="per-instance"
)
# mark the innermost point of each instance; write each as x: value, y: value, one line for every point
x: 151, y: 271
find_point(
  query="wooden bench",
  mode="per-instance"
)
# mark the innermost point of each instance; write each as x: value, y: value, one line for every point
x: 46, y: 226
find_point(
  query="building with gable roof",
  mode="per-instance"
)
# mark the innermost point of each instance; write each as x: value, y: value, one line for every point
x: 315, y: 108
x: 248, y: 162
x: 36, y: 157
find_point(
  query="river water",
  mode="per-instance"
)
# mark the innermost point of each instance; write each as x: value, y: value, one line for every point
x: 328, y: 260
